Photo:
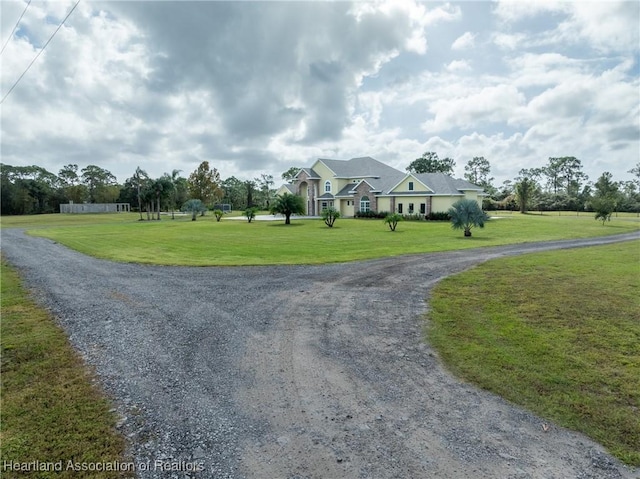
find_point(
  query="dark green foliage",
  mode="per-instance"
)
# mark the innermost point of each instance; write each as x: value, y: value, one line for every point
x: 371, y: 214
x: 430, y: 163
x: 603, y: 208
x: 438, y: 216
x: 392, y: 220
x: 330, y: 215
x: 218, y: 214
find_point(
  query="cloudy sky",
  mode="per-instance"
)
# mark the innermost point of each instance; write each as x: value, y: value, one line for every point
x: 259, y: 87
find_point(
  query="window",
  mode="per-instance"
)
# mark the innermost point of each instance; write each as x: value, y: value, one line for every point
x: 423, y: 208
x: 364, y: 204
x: 410, y: 208
x: 324, y: 205
x: 400, y: 208
x: 327, y: 186
x: 411, y: 186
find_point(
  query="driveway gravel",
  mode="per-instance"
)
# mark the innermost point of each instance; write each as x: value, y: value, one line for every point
x: 294, y: 371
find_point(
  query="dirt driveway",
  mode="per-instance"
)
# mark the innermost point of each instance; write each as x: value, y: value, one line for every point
x: 293, y: 372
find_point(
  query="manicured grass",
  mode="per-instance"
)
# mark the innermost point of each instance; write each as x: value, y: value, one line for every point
x: 558, y: 333
x: 50, y: 410
x: 235, y: 242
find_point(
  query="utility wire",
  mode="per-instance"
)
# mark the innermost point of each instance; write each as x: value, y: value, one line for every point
x: 39, y: 53
x: 14, y: 28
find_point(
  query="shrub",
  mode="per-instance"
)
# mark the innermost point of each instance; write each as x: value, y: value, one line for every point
x: 438, y: 216
x: 371, y: 214
x: 218, y: 214
x: 413, y: 217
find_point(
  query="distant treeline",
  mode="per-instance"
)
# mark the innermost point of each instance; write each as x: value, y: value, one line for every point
x: 560, y: 185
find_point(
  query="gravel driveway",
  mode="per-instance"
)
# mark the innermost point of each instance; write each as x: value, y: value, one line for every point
x: 293, y: 371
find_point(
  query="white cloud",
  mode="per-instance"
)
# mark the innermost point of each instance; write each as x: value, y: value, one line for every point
x: 489, y: 104
x: 458, y: 66
x: 464, y: 41
x: 261, y: 86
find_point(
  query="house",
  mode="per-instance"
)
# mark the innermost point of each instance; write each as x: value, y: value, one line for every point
x: 365, y: 184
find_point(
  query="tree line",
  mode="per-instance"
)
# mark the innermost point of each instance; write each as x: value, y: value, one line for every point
x: 559, y: 185
x: 34, y: 190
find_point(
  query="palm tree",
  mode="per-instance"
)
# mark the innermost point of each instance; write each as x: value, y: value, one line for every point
x: 330, y: 215
x: 174, y: 181
x: 194, y: 207
x: 525, y: 190
x: 288, y: 205
x: 392, y: 220
x: 139, y: 176
x: 465, y: 214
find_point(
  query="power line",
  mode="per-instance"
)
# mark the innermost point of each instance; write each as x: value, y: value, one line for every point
x: 14, y: 28
x: 39, y: 53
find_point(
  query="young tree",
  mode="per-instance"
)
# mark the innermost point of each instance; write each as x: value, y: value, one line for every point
x: 194, y: 206
x: 250, y: 213
x: 392, y: 220
x: 330, y: 215
x: 430, y: 163
x: 218, y: 214
x: 287, y: 205
x: 603, y: 208
x: 465, y: 214
x: 606, y: 197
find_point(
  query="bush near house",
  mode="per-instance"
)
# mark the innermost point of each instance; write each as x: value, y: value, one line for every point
x: 438, y: 216
x: 371, y: 214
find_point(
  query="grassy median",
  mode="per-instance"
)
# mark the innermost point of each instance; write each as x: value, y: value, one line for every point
x: 206, y: 242
x: 51, y: 410
x: 556, y: 332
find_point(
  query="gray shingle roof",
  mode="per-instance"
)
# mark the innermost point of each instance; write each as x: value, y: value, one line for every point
x: 326, y: 196
x: 310, y: 172
x: 442, y: 184
x: 361, y: 167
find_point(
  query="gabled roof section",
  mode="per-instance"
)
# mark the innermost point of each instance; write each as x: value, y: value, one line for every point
x: 409, y: 175
x: 346, y: 191
x: 442, y: 184
x: 370, y: 181
x: 290, y: 187
x: 310, y: 172
x: 361, y: 167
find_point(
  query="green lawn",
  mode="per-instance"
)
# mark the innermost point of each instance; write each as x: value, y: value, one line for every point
x: 50, y: 409
x: 558, y: 333
x: 120, y: 237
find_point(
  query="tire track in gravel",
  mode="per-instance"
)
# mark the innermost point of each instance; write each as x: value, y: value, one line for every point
x: 294, y: 372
